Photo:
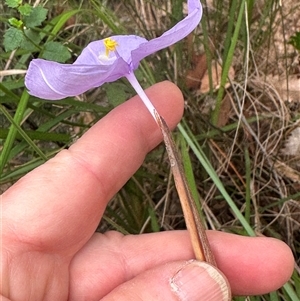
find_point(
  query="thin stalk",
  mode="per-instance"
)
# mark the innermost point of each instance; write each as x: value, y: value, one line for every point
x: 230, y: 27
x: 188, y: 170
x: 140, y: 91
x: 248, y: 184
x: 193, y: 221
x: 227, y: 63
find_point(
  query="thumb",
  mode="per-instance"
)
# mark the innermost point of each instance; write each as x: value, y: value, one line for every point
x: 198, y: 280
x: 185, y: 281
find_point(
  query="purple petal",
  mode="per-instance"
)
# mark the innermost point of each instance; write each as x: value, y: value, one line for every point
x: 126, y: 44
x: 51, y: 80
x: 173, y: 35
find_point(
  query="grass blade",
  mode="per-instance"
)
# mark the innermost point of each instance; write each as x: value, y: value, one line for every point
x: 209, y: 169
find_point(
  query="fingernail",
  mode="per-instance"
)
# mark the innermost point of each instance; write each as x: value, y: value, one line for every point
x: 198, y: 280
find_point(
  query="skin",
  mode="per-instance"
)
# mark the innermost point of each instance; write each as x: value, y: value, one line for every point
x: 50, y: 250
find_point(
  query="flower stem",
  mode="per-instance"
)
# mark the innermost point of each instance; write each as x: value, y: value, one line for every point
x: 192, y: 218
x: 199, y: 239
x: 140, y: 91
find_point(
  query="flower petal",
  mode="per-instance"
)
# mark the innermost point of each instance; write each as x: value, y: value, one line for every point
x: 51, y: 80
x: 93, y: 67
x: 173, y: 35
x: 126, y: 43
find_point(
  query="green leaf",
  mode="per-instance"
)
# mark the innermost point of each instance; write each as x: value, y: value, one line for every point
x: 60, y: 21
x: 36, y: 18
x: 55, y: 51
x: 25, y: 10
x: 295, y: 40
x: 116, y: 93
x: 15, y: 22
x: 37, y: 135
x: 31, y: 40
x: 13, y: 38
x: 13, y: 3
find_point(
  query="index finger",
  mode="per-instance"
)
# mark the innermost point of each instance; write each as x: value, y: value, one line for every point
x: 70, y: 192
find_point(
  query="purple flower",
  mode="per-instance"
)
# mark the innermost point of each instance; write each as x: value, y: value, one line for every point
x: 104, y: 61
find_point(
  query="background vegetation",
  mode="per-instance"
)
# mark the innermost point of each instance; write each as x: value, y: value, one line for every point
x: 239, y: 137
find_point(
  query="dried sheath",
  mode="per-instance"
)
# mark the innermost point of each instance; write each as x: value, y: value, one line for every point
x: 194, y: 224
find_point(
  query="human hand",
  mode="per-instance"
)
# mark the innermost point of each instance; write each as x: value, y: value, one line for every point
x: 50, y: 250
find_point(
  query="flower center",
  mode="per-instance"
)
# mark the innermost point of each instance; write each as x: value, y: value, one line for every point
x: 110, y: 45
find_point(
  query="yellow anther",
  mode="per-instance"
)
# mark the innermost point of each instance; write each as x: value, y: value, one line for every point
x: 110, y: 45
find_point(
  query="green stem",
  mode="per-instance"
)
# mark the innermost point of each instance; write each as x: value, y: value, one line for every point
x: 209, y: 169
x: 13, y: 130
x: 248, y: 185
x: 227, y: 64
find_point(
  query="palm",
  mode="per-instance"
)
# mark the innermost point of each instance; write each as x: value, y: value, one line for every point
x: 51, y: 213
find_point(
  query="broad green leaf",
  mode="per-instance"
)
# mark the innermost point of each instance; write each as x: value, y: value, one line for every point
x: 25, y: 10
x: 55, y: 51
x: 31, y: 40
x: 36, y: 18
x: 13, y: 3
x: 13, y: 38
